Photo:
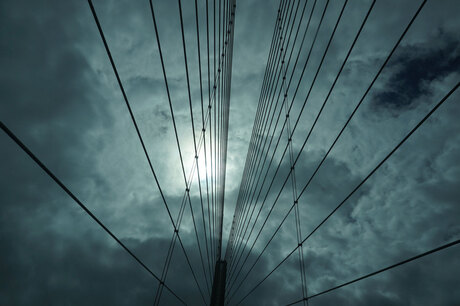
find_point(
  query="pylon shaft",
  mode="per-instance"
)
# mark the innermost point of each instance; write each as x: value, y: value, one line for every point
x: 218, y: 285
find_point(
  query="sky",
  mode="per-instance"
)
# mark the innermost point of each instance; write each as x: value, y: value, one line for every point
x: 59, y: 95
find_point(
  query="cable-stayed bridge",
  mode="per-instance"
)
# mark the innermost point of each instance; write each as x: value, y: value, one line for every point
x: 276, y: 144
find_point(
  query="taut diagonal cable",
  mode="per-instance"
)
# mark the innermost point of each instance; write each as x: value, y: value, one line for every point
x: 137, y: 130
x: 83, y: 206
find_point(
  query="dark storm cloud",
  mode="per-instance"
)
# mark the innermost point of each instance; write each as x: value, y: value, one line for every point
x: 419, y: 65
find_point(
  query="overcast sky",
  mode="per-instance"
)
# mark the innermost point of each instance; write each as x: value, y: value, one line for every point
x: 59, y: 95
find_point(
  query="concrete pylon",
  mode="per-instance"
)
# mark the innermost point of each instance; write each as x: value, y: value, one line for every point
x: 218, y: 285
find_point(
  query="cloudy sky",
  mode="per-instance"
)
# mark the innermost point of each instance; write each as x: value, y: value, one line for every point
x: 60, y: 97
